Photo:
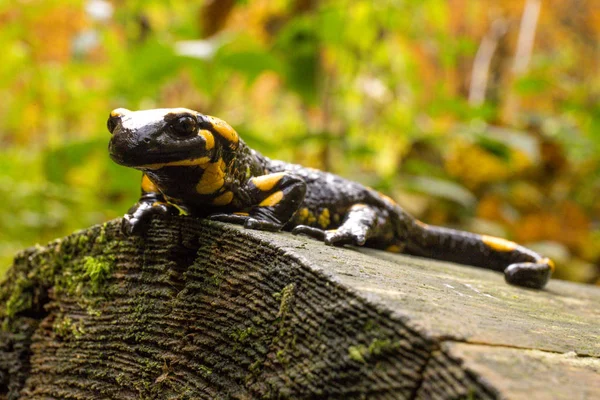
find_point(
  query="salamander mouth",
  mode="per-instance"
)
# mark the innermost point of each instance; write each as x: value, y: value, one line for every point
x: 142, y: 157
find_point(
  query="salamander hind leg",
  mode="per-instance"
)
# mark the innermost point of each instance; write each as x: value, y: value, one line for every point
x: 274, y: 199
x: 362, y: 222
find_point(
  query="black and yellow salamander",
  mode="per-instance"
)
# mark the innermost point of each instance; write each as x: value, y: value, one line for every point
x: 198, y: 164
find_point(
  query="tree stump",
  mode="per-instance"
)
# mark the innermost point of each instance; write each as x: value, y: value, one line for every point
x: 204, y: 310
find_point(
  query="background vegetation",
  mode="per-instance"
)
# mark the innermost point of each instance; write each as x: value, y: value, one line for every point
x: 481, y: 115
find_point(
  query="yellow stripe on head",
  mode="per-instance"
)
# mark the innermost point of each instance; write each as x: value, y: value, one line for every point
x: 181, y: 163
x: 267, y: 182
x: 272, y: 200
x: 225, y: 131
x: 498, y: 244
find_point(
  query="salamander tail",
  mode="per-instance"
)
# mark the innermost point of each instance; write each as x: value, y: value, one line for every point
x: 521, y: 266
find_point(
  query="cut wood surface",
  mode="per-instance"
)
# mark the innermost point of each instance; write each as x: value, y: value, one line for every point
x: 204, y: 310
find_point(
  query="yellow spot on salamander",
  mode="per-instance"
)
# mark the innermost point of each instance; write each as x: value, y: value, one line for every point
x: 118, y: 112
x: 394, y: 248
x: 305, y: 216
x: 267, y: 182
x: 177, y: 111
x: 223, y: 199
x: 550, y: 263
x: 311, y: 218
x: 208, y: 136
x: 225, y: 130
x: 181, y: 163
x: 324, y: 218
x: 243, y: 214
x: 212, y: 179
x: 272, y: 200
x: 302, y: 215
x: 387, y: 199
x: 498, y: 244
x: 421, y: 223
x: 148, y: 186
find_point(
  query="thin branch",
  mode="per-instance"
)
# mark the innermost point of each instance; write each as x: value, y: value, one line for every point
x: 523, y: 52
x: 481, y: 63
x: 526, y: 38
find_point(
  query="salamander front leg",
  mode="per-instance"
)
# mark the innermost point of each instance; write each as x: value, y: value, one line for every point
x: 275, y: 198
x: 152, y: 202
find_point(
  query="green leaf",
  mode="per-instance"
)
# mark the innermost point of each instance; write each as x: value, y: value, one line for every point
x: 441, y: 188
x: 250, y: 63
x: 145, y: 69
x: 58, y: 161
x: 298, y: 46
x: 530, y: 85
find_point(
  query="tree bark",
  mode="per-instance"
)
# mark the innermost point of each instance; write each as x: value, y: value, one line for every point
x: 204, y: 310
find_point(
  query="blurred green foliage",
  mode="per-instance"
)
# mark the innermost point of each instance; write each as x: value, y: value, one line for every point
x: 423, y: 100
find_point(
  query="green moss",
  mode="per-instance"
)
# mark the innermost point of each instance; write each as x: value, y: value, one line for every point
x: 121, y: 379
x: 20, y: 299
x: 282, y: 357
x: 357, y: 353
x: 255, y: 366
x: 97, y: 269
x: 64, y: 326
x: 240, y: 335
x: 82, y: 241
x: 286, y: 300
x: 60, y: 266
x: 214, y: 279
x: 370, y: 325
x: 377, y: 347
x: 84, y: 278
x: 101, y: 238
x: 205, y: 370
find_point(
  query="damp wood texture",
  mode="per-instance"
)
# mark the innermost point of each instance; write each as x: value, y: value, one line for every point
x: 206, y: 310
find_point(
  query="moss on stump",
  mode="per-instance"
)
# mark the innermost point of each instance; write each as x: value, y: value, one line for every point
x: 203, y: 310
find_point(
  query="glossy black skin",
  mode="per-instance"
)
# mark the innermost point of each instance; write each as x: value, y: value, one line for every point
x: 179, y: 163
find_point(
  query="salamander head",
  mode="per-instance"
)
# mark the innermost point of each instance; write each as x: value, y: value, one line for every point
x: 152, y: 139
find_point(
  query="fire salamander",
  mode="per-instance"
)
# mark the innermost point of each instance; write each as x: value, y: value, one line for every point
x: 198, y: 164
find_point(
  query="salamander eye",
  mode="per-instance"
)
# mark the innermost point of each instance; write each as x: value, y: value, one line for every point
x: 112, y: 123
x: 184, y: 126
